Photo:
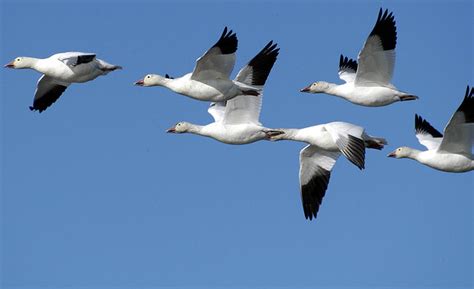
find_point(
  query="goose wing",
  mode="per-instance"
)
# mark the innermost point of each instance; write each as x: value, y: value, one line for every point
x: 246, y: 108
x: 459, y: 132
x: 315, y: 171
x: 348, y: 138
x: 347, y: 69
x: 219, y: 60
x: 76, y: 58
x: 377, y: 57
x: 426, y: 134
x: 48, y: 90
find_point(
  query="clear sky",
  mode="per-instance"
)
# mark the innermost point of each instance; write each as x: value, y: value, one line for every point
x: 95, y: 194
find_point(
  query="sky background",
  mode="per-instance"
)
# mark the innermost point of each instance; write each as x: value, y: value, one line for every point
x: 95, y: 194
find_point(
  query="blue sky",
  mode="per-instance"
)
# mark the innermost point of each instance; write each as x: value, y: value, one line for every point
x: 95, y: 194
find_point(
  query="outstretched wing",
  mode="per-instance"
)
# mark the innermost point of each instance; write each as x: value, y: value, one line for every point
x: 459, y: 132
x: 426, y: 134
x: 217, y: 110
x: 315, y: 170
x: 48, y: 90
x: 348, y: 138
x: 246, y: 108
x: 347, y: 69
x: 219, y: 60
x: 377, y: 57
x: 76, y: 58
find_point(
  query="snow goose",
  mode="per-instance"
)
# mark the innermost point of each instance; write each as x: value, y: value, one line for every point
x: 59, y: 71
x: 368, y: 83
x: 236, y: 121
x: 209, y: 80
x: 326, y: 142
x: 451, y: 153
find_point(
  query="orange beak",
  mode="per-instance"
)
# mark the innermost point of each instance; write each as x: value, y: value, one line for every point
x: 306, y: 89
x: 10, y: 65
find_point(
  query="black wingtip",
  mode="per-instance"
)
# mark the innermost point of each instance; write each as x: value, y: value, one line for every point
x: 346, y: 63
x: 39, y: 110
x: 263, y: 63
x: 42, y: 103
x: 81, y: 59
x: 313, y: 192
x: 227, y: 43
x: 354, y: 151
x: 385, y: 28
x: 467, y: 105
x: 469, y: 93
x: 424, y: 127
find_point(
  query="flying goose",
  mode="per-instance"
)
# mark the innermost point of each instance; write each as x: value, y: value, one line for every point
x: 209, y: 80
x: 326, y: 142
x: 451, y: 153
x: 367, y: 83
x: 236, y: 121
x: 59, y: 71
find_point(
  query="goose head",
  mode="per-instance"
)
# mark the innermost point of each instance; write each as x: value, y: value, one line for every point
x: 401, y: 152
x: 19, y: 63
x: 151, y: 80
x: 180, y: 127
x: 316, y: 87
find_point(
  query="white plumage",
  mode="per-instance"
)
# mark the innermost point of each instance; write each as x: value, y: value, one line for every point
x: 236, y: 121
x: 368, y: 82
x: 326, y: 143
x: 451, y: 153
x: 210, y: 79
x: 59, y: 71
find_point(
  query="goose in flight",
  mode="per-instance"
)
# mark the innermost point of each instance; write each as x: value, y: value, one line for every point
x: 367, y: 83
x: 326, y: 142
x: 236, y: 121
x: 59, y: 71
x: 209, y: 80
x: 451, y: 152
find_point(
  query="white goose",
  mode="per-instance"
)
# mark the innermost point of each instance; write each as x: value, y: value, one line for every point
x: 326, y: 143
x: 59, y: 71
x: 209, y: 80
x: 368, y: 84
x: 236, y: 121
x: 451, y: 153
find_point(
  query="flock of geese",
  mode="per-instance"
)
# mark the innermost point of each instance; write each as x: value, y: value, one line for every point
x: 236, y: 104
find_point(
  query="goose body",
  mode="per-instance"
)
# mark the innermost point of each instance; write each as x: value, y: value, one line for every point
x: 444, y: 161
x: 215, y: 90
x: 59, y: 71
x: 367, y: 95
x: 316, y: 135
x: 210, y: 79
x: 236, y: 121
x: 236, y: 134
x: 326, y: 142
x: 451, y: 152
x: 368, y: 81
